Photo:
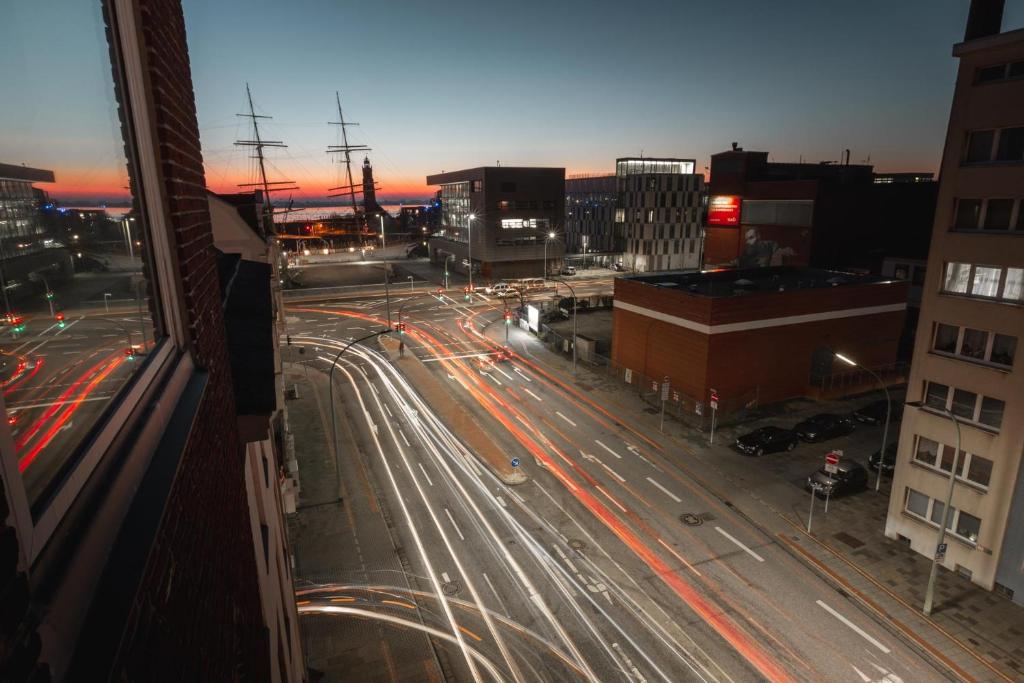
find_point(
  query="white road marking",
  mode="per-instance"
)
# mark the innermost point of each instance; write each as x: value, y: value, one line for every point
x: 565, y: 418
x: 608, y: 449
x: 520, y: 373
x: 452, y: 520
x: 532, y: 394
x: 502, y: 501
x: 492, y: 378
x: 390, y: 414
x: 680, y: 558
x: 666, y: 491
x: 510, y: 377
x: 444, y: 575
x: 422, y: 469
x: 402, y: 434
x: 57, y: 403
x: 854, y: 626
x: 496, y: 593
x: 736, y: 541
x: 615, y: 502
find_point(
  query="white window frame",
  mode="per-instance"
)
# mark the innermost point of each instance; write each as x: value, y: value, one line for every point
x: 957, y: 350
x: 169, y: 364
x: 964, y: 461
x: 954, y: 521
x: 975, y: 415
x: 971, y: 269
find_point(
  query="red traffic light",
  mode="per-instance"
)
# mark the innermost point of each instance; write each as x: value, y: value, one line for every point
x: 59, y: 316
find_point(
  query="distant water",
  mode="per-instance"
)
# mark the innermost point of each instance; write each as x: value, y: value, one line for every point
x: 305, y: 213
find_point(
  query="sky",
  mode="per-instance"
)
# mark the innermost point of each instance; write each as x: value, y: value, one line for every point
x: 447, y: 85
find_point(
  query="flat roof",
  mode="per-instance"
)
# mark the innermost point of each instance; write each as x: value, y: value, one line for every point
x: 746, y: 281
x: 477, y: 172
x: 25, y: 174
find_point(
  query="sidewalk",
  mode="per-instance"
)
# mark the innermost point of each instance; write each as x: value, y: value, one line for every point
x: 978, y: 634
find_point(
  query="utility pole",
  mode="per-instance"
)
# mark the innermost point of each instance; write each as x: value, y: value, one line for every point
x: 387, y: 290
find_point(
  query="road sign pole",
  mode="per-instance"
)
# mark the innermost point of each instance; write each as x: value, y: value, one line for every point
x: 714, y: 410
x: 810, y: 515
x: 828, y: 494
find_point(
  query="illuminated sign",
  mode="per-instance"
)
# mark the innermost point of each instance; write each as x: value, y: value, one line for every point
x: 527, y: 223
x: 724, y: 210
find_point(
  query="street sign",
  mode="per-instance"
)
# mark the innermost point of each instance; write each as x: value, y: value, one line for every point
x: 714, y: 400
x: 940, y: 551
x: 515, y: 462
x: 832, y: 461
x: 654, y: 385
x: 830, y: 468
x: 664, y: 389
x: 675, y: 395
x: 714, y: 405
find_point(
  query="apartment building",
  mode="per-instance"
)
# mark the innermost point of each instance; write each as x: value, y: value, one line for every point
x: 966, y: 363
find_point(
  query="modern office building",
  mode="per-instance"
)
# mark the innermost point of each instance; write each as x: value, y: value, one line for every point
x: 590, y: 229
x: 501, y: 219
x: 21, y: 225
x: 972, y: 317
x: 756, y: 336
x: 659, y: 211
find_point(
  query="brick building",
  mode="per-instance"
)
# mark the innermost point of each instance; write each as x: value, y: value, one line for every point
x: 139, y: 560
x: 756, y: 335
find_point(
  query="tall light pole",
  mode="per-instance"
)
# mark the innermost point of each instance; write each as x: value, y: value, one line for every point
x: 387, y: 290
x: 929, y: 594
x: 330, y: 383
x: 571, y: 291
x: 449, y: 257
x: 469, y: 222
x: 888, y: 412
x: 412, y: 285
x: 550, y: 236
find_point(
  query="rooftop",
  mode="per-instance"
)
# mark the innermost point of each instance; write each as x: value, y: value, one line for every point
x: 744, y: 282
x: 25, y: 174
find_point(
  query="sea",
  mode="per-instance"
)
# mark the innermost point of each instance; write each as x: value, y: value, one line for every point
x: 304, y: 213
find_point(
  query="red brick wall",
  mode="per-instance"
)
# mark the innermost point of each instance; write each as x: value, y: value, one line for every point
x: 196, y: 615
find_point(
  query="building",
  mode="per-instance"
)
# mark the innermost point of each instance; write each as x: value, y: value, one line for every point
x: 972, y: 315
x: 823, y: 215
x: 659, y: 211
x: 143, y: 558
x: 502, y: 219
x: 590, y: 203
x: 756, y: 335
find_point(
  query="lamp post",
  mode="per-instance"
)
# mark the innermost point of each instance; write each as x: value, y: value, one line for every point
x: 448, y: 258
x: 888, y: 412
x: 929, y: 594
x: 571, y: 291
x: 412, y: 286
x: 469, y: 241
x: 551, y: 236
x: 330, y: 383
x: 387, y: 290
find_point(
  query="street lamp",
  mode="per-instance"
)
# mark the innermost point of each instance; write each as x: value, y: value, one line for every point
x: 571, y: 291
x: 450, y: 257
x: 412, y: 286
x: 551, y: 236
x: 469, y: 223
x: 387, y: 290
x: 888, y: 411
x: 929, y: 594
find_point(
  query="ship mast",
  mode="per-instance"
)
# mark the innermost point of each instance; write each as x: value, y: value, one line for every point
x: 258, y: 144
x: 345, y: 149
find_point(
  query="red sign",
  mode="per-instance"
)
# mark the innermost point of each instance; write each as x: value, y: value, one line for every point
x: 714, y: 395
x: 724, y: 209
x: 832, y: 458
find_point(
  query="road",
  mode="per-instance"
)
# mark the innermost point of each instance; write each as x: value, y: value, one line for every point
x: 609, y: 563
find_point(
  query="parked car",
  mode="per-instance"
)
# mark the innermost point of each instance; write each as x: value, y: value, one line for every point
x: 823, y: 426
x: 767, y: 440
x: 850, y: 477
x: 888, y: 462
x: 568, y: 270
x: 874, y: 413
x: 499, y: 288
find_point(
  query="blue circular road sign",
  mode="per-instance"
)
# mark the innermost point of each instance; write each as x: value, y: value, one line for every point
x: 515, y: 462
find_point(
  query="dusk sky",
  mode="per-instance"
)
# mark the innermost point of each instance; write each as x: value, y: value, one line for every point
x: 441, y: 86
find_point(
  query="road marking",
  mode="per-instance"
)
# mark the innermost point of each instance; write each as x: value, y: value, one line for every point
x: 565, y: 418
x: 666, y: 491
x: 492, y: 378
x: 608, y: 449
x: 520, y: 373
x: 594, y: 458
x: 736, y: 541
x: 452, y: 520
x: 444, y: 575
x: 402, y: 434
x: 853, y: 626
x: 422, y: 469
x: 532, y: 394
x: 615, y: 502
x: 57, y: 403
x: 680, y: 558
x: 388, y: 411
x: 510, y: 377
x: 496, y: 593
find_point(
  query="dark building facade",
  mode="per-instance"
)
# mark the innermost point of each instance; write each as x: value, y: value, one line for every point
x: 590, y: 203
x: 509, y: 213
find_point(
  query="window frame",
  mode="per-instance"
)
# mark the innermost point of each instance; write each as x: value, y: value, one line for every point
x: 979, y: 399
x: 954, y: 519
x: 171, y: 360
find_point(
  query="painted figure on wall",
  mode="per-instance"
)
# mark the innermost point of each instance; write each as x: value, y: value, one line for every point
x: 758, y: 253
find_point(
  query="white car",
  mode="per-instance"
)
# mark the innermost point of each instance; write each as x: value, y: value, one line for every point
x: 500, y: 288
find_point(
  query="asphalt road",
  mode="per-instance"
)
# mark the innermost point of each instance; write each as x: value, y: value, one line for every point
x: 588, y: 570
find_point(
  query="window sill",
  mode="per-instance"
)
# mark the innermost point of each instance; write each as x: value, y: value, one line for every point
x: 944, y: 474
x: 974, y: 297
x: 998, y: 367
x: 963, y: 421
x: 973, y: 545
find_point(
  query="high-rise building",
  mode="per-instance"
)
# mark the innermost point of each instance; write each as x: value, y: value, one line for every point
x: 660, y: 206
x: 971, y: 322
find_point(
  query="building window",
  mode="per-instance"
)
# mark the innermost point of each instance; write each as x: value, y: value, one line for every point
x: 968, y: 214
x: 990, y: 74
x: 988, y: 282
x: 997, y: 214
x: 985, y: 281
x: 927, y: 451
x: 917, y: 502
x: 957, y: 277
x: 975, y: 344
x: 978, y: 345
x: 987, y: 411
x: 939, y: 457
x: 991, y: 413
x: 946, y: 338
x: 1004, y: 347
x: 1011, y: 145
x: 478, y: 186
x: 980, y: 470
x: 968, y: 526
x: 938, y: 508
x: 935, y: 395
x: 959, y: 523
x: 979, y: 146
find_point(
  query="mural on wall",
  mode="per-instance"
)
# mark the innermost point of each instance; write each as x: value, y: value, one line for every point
x: 758, y: 251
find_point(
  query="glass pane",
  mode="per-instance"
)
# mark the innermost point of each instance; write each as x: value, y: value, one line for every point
x: 72, y: 239
x: 968, y: 211
x: 997, y: 215
x: 964, y: 403
x: 945, y: 337
x: 979, y: 146
x: 937, y: 509
x: 946, y: 463
x: 935, y: 395
x: 917, y: 503
x: 991, y: 412
x: 980, y: 470
x: 1013, y: 290
x: 986, y: 281
x: 957, y: 276
x: 968, y: 526
x: 1011, y: 145
x: 1016, y: 70
x: 927, y: 450
x: 974, y: 343
x: 1004, y: 347
x: 991, y: 73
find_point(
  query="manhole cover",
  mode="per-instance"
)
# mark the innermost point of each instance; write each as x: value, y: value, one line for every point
x: 577, y: 545
x: 690, y: 519
x: 451, y: 588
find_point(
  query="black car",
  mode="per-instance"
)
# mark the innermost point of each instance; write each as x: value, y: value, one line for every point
x: 874, y: 413
x: 849, y: 477
x: 767, y: 440
x: 823, y: 426
x: 888, y: 463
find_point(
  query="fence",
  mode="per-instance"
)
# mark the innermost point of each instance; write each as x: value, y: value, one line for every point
x: 838, y: 383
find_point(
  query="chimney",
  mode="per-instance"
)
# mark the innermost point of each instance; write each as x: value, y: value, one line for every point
x: 985, y: 18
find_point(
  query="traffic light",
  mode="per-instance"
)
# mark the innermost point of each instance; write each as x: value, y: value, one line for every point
x: 508, y: 317
x: 49, y: 296
x: 130, y: 352
x: 400, y: 327
x: 60, y: 319
x: 466, y: 290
